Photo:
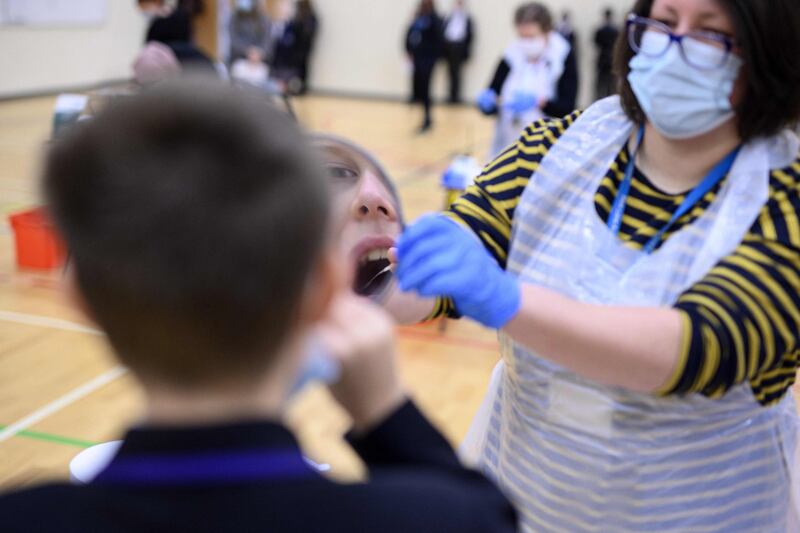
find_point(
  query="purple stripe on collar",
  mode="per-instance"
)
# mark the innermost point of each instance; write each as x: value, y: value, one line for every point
x: 205, y: 468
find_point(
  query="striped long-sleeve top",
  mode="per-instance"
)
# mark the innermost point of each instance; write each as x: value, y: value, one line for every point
x: 741, y: 320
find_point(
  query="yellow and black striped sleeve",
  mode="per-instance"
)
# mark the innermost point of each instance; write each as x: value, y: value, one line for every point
x: 487, y: 207
x: 742, y: 319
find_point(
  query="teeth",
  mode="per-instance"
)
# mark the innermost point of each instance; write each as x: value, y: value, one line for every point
x: 375, y: 255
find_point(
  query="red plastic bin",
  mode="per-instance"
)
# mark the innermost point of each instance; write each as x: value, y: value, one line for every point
x: 35, y: 239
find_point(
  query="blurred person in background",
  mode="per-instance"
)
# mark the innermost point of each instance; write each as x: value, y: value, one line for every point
x: 458, y: 37
x: 307, y: 24
x: 167, y: 24
x: 250, y: 33
x: 536, y: 78
x: 604, y: 38
x: 288, y: 47
x: 156, y: 62
x: 173, y: 27
x: 424, y: 49
x: 566, y: 29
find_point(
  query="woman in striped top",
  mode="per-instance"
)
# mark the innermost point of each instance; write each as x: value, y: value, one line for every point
x: 649, y: 335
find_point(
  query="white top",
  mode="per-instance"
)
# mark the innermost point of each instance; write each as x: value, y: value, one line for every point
x: 456, y: 29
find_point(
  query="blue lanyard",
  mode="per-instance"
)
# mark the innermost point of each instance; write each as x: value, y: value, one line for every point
x: 709, y: 182
x: 207, y: 467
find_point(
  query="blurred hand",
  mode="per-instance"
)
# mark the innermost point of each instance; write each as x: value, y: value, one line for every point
x: 360, y: 336
x: 521, y: 102
x: 437, y: 257
x: 487, y: 101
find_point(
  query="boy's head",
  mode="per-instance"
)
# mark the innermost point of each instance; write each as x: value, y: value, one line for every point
x: 371, y: 210
x: 151, y: 7
x: 196, y: 217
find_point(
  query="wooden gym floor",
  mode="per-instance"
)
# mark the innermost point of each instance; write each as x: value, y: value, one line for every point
x: 61, y: 391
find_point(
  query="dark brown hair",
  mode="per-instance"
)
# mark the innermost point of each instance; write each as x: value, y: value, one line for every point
x: 534, y: 13
x: 426, y: 7
x: 193, y: 214
x: 305, y: 9
x: 766, y: 33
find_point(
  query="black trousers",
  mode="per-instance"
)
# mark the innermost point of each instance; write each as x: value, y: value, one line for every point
x: 606, y: 83
x: 423, y: 73
x: 456, y: 56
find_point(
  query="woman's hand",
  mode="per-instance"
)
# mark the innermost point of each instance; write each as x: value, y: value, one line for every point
x: 487, y: 101
x: 521, y: 102
x: 437, y: 257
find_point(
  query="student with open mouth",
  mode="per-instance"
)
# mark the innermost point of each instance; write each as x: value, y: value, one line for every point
x: 372, y: 221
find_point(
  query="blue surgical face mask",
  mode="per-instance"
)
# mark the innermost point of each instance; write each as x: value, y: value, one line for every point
x: 680, y: 100
x: 245, y: 5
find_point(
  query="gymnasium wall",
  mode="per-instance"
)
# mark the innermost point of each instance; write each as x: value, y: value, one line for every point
x: 40, y: 59
x: 360, y: 47
x: 361, y: 43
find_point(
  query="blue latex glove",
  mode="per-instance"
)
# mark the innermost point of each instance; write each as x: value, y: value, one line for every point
x: 451, y: 180
x: 487, y: 101
x: 521, y: 102
x: 437, y: 257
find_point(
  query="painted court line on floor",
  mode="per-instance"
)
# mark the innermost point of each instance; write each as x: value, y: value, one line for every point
x: 46, y: 322
x: 62, y: 402
x: 405, y: 331
x: 55, y: 439
x: 432, y: 336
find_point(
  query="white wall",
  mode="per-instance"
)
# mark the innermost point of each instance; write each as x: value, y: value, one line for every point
x: 40, y: 59
x: 360, y: 46
x: 359, y: 50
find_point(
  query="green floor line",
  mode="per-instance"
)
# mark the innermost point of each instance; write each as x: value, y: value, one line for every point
x: 56, y: 439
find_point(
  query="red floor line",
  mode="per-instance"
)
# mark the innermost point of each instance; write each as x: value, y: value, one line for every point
x: 434, y: 336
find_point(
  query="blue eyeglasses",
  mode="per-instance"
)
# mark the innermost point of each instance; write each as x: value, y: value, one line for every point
x: 702, y: 50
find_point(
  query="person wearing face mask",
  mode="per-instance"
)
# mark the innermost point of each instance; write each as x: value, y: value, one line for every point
x: 648, y: 296
x: 250, y: 35
x: 537, y: 77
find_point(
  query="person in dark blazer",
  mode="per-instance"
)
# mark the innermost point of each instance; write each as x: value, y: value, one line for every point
x: 176, y: 25
x: 605, y: 38
x: 250, y: 33
x: 424, y: 48
x: 307, y: 24
x: 216, y: 319
x: 458, y: 38
x: 174, y: 28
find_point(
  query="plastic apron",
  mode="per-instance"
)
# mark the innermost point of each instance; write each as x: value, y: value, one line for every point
x: 540, y: 78
x: 577, y: 456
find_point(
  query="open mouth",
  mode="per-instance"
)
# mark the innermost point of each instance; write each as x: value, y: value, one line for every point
x: 373, y: 274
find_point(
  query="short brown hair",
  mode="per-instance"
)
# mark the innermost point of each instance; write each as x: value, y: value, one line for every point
x: 767, y: 35
x: 193, y: 214
x: 534, y: 13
